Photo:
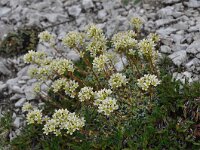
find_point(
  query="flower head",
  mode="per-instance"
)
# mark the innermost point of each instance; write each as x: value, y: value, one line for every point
x: 117, y: 80
x: 45, y: 36
x: 27, y: 107
x: 147, y: 81
x: 99, y: 63
x: 73, y: 39
x: 85, y: 93
x: 34, y: 116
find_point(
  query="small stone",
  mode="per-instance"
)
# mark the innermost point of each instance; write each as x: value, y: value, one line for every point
x: 171, y: 1
x: 29, y: 92
x: 181, y: 26
x: 17, y: 97
x: 72, y: 55
x: 194, y: 48
x: 74, y: 10
x: 17, y: 89
x: 4, y: 11
x: 166, y: 12
x: 16, y: 122
x: 87, y: 4
x: 198, y: 56
x: 119, y: 66
x: 4, y: 70
x: 166, y: 31
x: 165, y: 49
x: 192, y: 64
x: 20, y: 102
x: 2, y: 86
x: 162, y: 22
x: 102, y: 15
x: 193, y: 3
x: 178, y: 57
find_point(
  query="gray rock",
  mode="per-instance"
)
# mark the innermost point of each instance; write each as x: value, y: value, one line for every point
x: 102, y: 15
x: 73, y: 56
x: 177, y: 38
x: 165, y: 49
x: 20, y: 102
x: 74, y: 10
x: 29, y: 92
x: 162, y: 22
x: 179, y: 47
x: 192, y: 64
x: 17, y: 97
x: 193, y: 3
x: 17, y: 89
x: 17, y: 122
x: 198, y: 56
x: 171, y: 1
x: 181, y: 26
x: 178, y: 57
x: 2, y: 86
x: 119, y: 66
x: 4, y: 70
x: 87, y: 4
x: 194, y: 48
x: 166, y: 31
x: 165, y: 12
x: 194, y: 28
x: 4, y: 11
x: 11, y: 83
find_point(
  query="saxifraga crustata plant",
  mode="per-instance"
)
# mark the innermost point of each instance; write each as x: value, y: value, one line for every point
x: 99, y: 97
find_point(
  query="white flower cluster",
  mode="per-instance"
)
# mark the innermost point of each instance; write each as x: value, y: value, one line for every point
x: 73, y: 39
x: 147, y: 81
x: 124, y: 41
x: 97, y: 44
x: 34, y: 57
x: 86, y: 93
x: 27, y: 107
x: 147, y: 47
x: 45, y: 36
x: 117, y: 80
x: 68, y: 86
x: 41, y: 73
x: 34, y: 116
x: 104, y: 102
x: 137, y: 23
x: 99, y: 63
x: 60, y: 66
x: 62, y: 119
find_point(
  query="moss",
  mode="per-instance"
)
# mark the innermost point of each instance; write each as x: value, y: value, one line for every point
x: 20, y: 42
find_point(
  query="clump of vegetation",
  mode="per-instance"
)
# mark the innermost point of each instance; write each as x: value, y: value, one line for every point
x: 20, y: 42
x: 95, y: 104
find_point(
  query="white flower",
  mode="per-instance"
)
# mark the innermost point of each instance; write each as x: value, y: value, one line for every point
x: 99, y: 63
x: 73, y: 39
x: 27, y: 107
x: 62, y: 119
x: 85, y: 93
x: 34, y: 116
x: 58, y: 84
x: 147, y: 81
x: 34, y: 57
x: 107, y: 106
x: 45, y: 36
x: 117, y: 80
x: 70, y: 88
x: 62, y: 65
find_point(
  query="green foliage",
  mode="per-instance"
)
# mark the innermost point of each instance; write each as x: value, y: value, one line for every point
x: 171, y: 124
x: 5, y: 126
x: 19, y: 42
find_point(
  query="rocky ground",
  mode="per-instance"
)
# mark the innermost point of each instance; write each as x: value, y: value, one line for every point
x: 177, y: 22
